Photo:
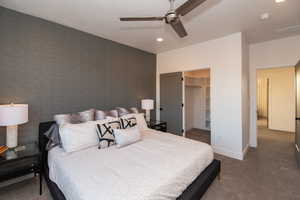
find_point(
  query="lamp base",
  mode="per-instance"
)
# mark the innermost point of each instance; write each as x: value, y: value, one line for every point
x: 148, y: 115
x: 12, y: 136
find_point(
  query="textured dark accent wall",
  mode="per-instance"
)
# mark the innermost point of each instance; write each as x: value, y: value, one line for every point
x: 56, y: 69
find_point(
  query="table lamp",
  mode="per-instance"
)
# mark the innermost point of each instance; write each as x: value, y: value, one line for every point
x: 147, y: 104
x: 11, y: 116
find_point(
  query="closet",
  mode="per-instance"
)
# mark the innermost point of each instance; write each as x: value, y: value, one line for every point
x: 197, y: 100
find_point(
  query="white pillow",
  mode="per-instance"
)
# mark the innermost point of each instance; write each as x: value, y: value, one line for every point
x: 140, y: 120
x: 75, y: 137
x: 124, y: 137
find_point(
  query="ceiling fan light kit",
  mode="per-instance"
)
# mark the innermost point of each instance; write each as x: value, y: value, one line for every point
x: 172, y: 16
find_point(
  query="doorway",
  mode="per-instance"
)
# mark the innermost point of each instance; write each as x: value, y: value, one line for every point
x: 275, y: 100
x: 197, y: 105
x: 262, y: 100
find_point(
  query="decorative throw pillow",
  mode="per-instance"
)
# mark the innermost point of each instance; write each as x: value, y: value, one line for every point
x: 128, y: 122
x: 124, y: 137
x: 105, y: 131
x: 134, y: 110
x: 100, y: 115
x: 54, y: 138
x: 122, y: 111
x: 75, y: 118
x: 62, y: 119
x: 88, y: 115
x: 140, y: 120
x: 112, y: 113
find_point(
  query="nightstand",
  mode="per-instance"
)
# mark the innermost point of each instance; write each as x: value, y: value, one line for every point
x: 15, y: 164
x: 158, y: 125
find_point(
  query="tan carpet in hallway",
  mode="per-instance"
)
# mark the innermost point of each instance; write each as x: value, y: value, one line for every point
x: 267, y: 173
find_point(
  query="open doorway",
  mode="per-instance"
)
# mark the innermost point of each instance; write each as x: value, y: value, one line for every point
x: 262, y: 99
x: 276, y: 96
x: 197, y: 105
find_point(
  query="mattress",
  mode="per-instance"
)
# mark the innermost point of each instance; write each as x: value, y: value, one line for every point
x: 160, y: 167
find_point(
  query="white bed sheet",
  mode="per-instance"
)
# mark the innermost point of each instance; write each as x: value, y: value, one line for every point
x: 160, y: 167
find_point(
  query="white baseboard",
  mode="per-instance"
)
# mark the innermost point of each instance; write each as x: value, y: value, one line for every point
x: 229, y: 153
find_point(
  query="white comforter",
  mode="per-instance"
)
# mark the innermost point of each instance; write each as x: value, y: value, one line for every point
x: 160, y: 167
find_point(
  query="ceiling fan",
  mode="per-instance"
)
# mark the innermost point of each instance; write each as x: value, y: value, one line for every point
x: 172, y: 16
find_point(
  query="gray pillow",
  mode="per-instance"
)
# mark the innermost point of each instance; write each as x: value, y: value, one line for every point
x: 54, y: 138
x: 122, y: 111
x: 84, y: 116
x: 134, y: 110
x: 100, y: 114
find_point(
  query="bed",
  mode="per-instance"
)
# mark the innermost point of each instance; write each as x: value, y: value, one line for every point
x: 170, y: 171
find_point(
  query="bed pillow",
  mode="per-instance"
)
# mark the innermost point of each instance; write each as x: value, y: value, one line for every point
x: 128, y: 121
x: 105, y: 131
x: 75, y: 118
x: 134, y: 110
x: 124, y: 137
x: 75, y: 137
x: 53, y: 137
x: 100, y: 114
x: 122, y: 111
x: 139, y: 118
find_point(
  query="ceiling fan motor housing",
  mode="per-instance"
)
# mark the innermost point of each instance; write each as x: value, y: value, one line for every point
x: 170, y: 17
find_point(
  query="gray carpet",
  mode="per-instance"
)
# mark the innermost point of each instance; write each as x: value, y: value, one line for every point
x: 267, y: 173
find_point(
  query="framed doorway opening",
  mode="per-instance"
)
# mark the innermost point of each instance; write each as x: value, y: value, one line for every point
x: 197, y: 101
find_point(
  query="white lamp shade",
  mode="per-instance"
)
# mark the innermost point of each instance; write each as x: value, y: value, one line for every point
x: 147, y: 104
x: 13, y: 114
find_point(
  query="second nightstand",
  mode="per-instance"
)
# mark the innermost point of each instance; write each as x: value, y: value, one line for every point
x: 158, y: 125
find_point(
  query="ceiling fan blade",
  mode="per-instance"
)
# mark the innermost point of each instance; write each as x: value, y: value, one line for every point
x: 141, y: 18
x: 188, y: 6
x: 178, y: 27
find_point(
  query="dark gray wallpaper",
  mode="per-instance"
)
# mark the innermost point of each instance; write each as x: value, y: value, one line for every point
x: 56, y: 69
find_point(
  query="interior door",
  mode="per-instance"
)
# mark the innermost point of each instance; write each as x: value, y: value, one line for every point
x: 171, y: 101
x: 297, y: 139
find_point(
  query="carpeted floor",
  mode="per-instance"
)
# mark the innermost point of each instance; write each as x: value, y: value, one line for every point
x: 198, y: 134
x: 267, y: 173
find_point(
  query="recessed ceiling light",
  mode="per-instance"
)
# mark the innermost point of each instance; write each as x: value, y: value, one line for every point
x: 279, y: 1
x: 159, y: 39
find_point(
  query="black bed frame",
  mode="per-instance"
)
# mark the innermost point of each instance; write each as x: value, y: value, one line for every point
x: 193, y: 192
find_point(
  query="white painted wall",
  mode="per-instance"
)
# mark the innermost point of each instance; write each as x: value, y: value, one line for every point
x: 224, y: 57
x: 245, y: 94
x: 275, y: 53
x: 282, y: 97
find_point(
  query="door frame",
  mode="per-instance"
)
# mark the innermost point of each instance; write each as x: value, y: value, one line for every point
x: 255, y: 134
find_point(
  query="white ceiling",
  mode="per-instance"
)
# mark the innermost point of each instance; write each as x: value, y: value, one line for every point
x: 213, y: 19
